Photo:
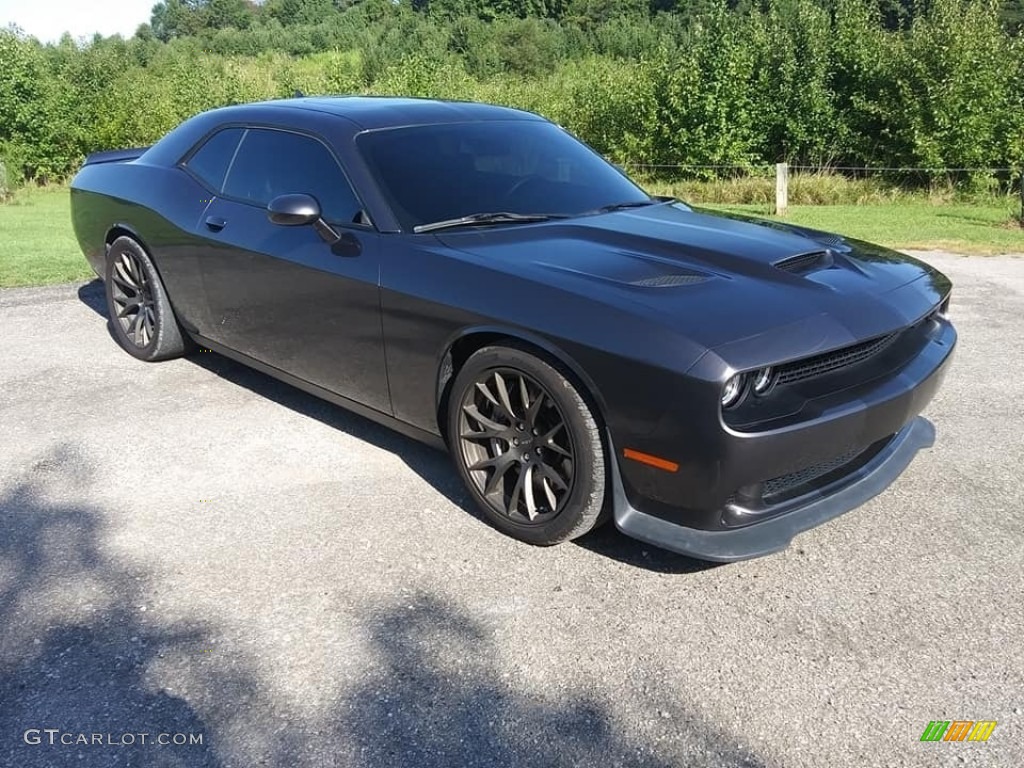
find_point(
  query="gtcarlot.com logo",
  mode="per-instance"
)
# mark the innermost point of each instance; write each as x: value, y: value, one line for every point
x: 55, y: 737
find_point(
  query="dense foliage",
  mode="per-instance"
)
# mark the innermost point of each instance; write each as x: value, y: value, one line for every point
x: 908, y: 83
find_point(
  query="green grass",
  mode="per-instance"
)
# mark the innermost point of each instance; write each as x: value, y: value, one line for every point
x: 38, y: 246
x: 969, y: 229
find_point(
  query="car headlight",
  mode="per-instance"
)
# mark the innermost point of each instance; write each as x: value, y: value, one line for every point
x: 764, y: 380
x: 733, y: 390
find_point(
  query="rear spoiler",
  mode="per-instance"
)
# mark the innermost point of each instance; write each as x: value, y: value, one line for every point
x: 114, y: 156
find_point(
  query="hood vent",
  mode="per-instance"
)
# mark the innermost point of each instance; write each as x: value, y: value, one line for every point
x: 668, y: 281
x: 805, y: 262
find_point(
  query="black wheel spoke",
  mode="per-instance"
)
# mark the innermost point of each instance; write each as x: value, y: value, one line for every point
x: 498, y: 406
x: 501, y: 465
x: 123, y: 283
x: 474, y: 413
x: 491, y: 463
x: 130, y: 305
x: 549, y: 473
x: 487, y: 434
x: 517, y: 491
x: 534, y: 409
x: 133, y: 267
x: 508, y: 419
x: 133, y: 300
x: 548, y: 440
x: 486, y: 392
x: 149, y: 324
x: 506, y: 402
x: 126, y: 268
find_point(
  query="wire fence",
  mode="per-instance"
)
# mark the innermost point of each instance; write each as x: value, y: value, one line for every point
x: 822, y: 168
x: 812, y: 181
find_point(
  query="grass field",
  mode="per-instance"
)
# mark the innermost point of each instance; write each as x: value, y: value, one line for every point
x: 970, y: 229
x: 37, y: 245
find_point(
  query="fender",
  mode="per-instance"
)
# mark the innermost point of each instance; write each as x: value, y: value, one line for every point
x: 445, y: 371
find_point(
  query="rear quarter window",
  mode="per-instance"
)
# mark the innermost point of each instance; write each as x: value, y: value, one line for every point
x: 210, y: 162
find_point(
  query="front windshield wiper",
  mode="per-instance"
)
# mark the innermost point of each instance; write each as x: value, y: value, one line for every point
x: 501, y: 217
x: 624, y: 206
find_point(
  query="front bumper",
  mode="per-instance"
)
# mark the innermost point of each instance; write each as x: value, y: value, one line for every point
x: 739, y: 495
x: 799, y: 514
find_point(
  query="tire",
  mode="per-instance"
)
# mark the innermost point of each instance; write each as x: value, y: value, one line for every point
x: 148, y: 331
x: 516, y: 422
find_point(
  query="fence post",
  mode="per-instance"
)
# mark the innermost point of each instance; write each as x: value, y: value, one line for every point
x: 1021, y: 180
x: 781, y: 188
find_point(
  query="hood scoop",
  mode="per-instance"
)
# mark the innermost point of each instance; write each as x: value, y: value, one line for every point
x: 803, y: 263
x: 628, y: 268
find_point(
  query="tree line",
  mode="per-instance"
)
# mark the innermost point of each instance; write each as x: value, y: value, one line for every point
x: 897, y: 83
x: 181, y: 18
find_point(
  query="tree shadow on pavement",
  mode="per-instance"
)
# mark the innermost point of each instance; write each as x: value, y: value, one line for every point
x: 437, y: 699
x: 80, y: 653
x: 74, y: 648
x: 432, y: 465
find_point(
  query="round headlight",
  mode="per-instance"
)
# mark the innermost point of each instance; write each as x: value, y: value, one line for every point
x: 732, y: 391
x: 763, y: 381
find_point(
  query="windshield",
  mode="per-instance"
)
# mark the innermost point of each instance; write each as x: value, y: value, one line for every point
x: 434, y: 173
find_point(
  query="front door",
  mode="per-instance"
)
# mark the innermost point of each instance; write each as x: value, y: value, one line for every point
x: 282, y: 294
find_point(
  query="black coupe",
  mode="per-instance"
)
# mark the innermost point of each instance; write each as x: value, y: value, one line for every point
x: 479, y: 279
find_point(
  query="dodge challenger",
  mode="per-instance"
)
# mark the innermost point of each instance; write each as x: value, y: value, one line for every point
x: 479, y: 279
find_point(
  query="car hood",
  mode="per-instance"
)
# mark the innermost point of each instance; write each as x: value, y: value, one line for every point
x: 722, y: 279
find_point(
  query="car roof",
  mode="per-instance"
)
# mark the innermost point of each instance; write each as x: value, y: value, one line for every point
x: 370, y: 112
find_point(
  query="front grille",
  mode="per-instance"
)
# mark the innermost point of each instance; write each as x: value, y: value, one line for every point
x: 832, y: 361
x: 783, y: 483
x: 758, y: 501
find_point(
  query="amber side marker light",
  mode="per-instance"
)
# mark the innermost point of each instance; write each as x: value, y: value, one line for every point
x: 654, y: 461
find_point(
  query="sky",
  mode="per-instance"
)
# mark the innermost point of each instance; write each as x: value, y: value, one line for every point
x: 49, y: 19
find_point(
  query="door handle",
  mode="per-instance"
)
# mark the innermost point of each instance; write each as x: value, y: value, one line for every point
x: 216, y: 223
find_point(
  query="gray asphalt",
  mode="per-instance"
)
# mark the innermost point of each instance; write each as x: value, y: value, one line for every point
x: 192, y: 548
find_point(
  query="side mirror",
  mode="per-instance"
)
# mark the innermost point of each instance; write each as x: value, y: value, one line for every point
x: 293, y: 210
x: 299, y: 210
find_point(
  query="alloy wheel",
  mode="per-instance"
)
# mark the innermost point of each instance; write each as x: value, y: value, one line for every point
x: 133, y: 300
x: 516, y: 446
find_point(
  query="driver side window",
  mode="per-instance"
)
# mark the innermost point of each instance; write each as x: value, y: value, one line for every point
x: 269, y: 163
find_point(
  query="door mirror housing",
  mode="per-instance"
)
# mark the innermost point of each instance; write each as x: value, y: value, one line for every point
x: 293, y: 210
x: 298, y: 210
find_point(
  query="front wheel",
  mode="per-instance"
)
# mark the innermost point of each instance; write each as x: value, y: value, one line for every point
x: 527, y: 445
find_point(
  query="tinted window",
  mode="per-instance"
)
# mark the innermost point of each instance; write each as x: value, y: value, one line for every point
x: 437, y: 172
x: 271, y: 163
x: 211, y: 162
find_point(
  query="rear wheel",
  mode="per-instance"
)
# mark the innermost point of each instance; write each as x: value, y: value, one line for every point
x: 140, y: 312
x: 527, y: 445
